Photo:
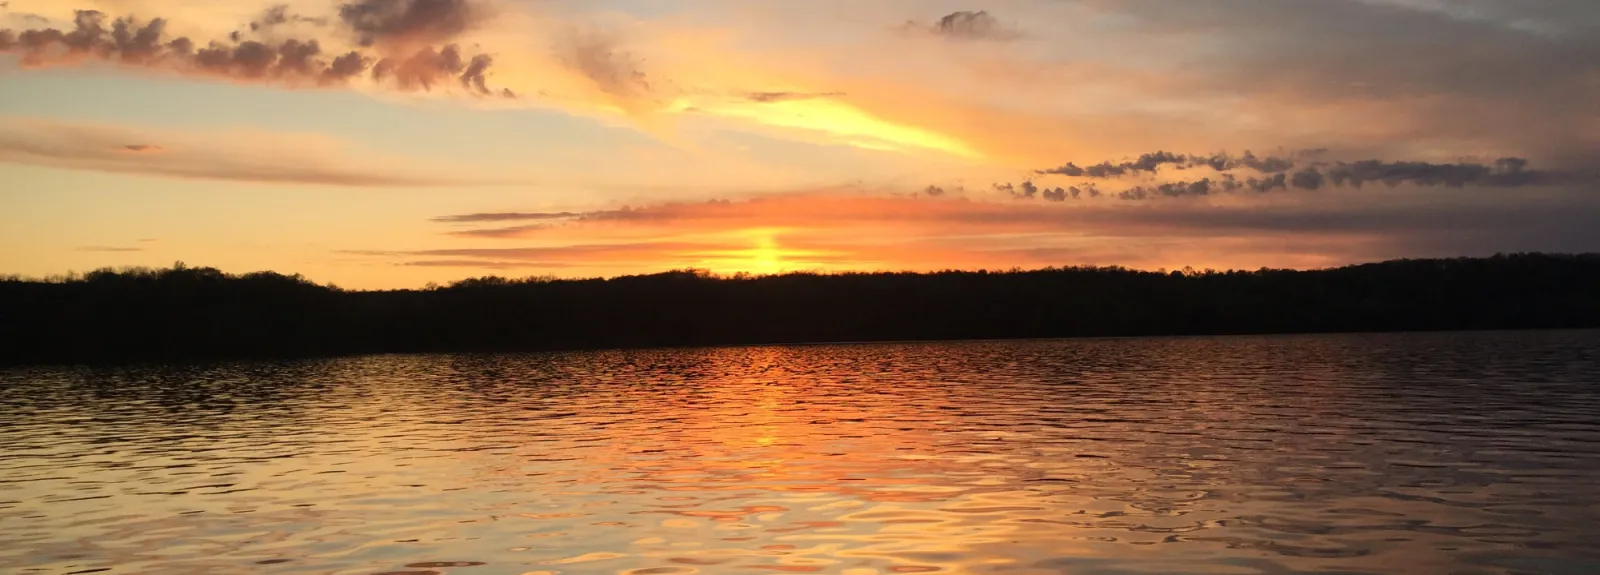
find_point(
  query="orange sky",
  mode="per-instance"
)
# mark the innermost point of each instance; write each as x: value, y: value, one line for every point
x: 431, y: 140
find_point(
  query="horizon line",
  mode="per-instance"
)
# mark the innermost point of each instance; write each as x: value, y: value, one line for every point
x: 1189, y: 271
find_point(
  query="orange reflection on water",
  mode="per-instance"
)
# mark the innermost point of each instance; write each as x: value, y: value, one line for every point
x: 1258, y: 455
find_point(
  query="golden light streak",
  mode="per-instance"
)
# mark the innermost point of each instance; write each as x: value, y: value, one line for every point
x: 856, y: 127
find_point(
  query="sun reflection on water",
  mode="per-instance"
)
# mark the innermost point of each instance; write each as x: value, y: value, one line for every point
x: 1110, y: 456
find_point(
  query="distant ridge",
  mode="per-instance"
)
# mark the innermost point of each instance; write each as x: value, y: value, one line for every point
x: 186, y: 313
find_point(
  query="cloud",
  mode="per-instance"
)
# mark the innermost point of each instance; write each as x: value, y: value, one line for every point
x: 426, y: 68
x: 409, y: 22
x: 292, y: 62
x: 278, y: 15
x: 765, y: 97
x: 609, y: 68
x: 505, y: 217
x: 1152, y: 162
x: 1508, y: 172
x: 484, y: 264
x: 250, y: 156
x: 560, y: 256
x: 110, y: 249
x: 620, y: 250
x: 496, y: 233
x: 841, y: 231
x: 1385, y: 72
x: 1024, y: 191
x: 27, y: 17
x: 1505, y: 173
x: 970, y: 25
x: 1307, y: 179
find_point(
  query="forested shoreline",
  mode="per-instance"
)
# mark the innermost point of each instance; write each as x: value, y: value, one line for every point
x: 197, y: 313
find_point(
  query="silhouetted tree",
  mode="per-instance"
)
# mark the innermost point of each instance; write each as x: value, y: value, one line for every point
x: 195, y: 313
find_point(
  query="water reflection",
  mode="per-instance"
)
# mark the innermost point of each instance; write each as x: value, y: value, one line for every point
x: 1469, y: 453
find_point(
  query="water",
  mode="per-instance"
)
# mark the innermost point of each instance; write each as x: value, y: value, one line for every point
x: 1438, y: 453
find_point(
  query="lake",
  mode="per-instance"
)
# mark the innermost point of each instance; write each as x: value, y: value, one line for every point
x: 1406, y: 453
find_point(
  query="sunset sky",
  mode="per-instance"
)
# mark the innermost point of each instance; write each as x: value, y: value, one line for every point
x: 390, y: 143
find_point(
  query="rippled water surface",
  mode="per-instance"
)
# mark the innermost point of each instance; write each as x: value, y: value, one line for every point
x: 1440, y: 453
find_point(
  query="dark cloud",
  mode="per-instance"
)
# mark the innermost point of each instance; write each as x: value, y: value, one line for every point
x: 970, y: 25
x: 1152, y: 162
x: 1056, y: 194
x: 408, y: 22
x: 1149, y: 162
x: 293, y: 61
x: 248, y: 60
x: 1505, y: 172
x: 1171, y: 190
x: 298, y: 58
x: 142, y: 148
x: 934, y: 191
x: 1027, y: 191
x: 1502, y: 173
x: 1068, y: 169
x: 767, y: 97
x: 345, y: 67
x: 1105, y: 170
x: 1307, y: 179
x: 1263, y: 185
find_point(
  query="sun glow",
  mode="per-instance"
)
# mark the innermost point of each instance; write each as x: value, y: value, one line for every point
x: 765, y: 256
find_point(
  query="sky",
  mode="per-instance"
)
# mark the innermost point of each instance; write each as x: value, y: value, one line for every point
x: 392, y: 143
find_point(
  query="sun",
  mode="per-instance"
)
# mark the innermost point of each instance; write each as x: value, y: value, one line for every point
x: 765, y: 256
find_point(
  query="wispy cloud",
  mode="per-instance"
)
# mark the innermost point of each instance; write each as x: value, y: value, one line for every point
x: 861, y: 225
x: 109, y: 249
x: 613, y: 70
x: 504, y: 217
x: 252, y: 156
x: 787, y: 96
x: 481, y: 264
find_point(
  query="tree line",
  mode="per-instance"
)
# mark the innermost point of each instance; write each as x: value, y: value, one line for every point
x: 184, y: 313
